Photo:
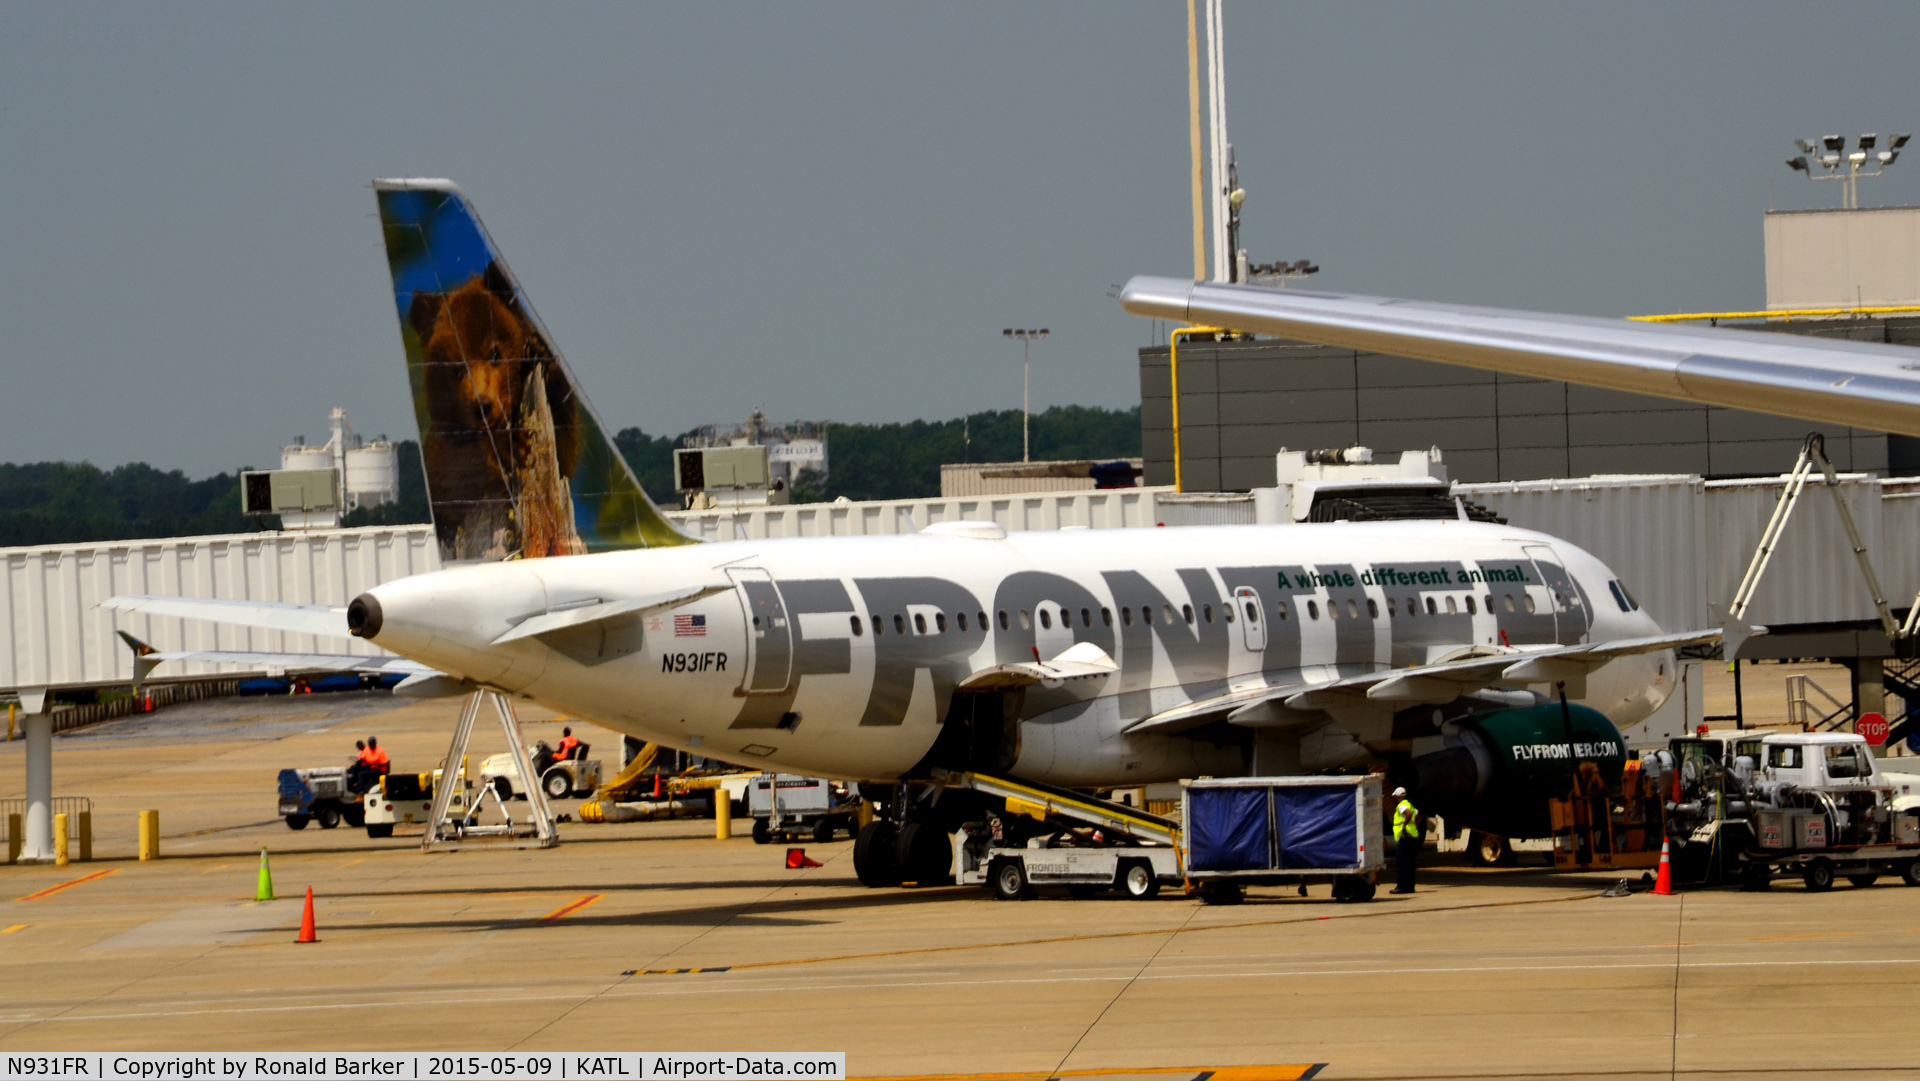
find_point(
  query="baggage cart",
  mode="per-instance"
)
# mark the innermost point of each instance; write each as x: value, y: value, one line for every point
x: 1247, y: 831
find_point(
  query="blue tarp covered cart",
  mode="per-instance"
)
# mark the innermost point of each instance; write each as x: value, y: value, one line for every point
x: 1241, y: 831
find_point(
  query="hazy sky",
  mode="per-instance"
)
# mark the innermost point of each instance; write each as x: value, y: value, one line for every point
x: 831, y: 210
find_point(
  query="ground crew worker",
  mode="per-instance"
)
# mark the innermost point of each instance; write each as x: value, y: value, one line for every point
x: 567, y: 744
x: 376, y: 758
x: 1406, y: 834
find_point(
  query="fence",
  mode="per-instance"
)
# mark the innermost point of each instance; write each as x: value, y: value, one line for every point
x: 79, y: 812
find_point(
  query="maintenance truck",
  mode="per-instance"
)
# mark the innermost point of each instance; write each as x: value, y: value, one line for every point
x: 1746, y: 805
x: 318, y: 795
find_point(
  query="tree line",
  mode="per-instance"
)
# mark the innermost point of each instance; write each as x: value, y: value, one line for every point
x: 74, y: 502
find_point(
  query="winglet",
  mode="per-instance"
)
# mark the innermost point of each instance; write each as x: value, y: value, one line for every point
x: 142, y: 665
x: 1734, y: 631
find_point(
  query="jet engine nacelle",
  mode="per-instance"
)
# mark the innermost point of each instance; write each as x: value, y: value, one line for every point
x: 1501, y: 767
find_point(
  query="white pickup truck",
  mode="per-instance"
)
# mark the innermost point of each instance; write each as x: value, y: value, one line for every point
x: 1821, y: 804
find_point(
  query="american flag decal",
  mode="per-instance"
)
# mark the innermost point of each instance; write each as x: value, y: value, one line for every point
x: 689, y: 626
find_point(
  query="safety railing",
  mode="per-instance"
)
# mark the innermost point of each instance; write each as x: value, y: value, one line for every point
x: 79, y: 812
x: 1810, y: 715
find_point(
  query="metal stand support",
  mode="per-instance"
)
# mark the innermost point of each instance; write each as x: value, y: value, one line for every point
x: 445, y: 836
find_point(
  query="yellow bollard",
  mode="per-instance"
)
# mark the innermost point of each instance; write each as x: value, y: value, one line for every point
x: 149, y: 835
x: 864, y: 816
x: 722, y: 815
x: 60, y: 839
x: 86, y: 836
x: 12, y: 709
x: 13, y: 838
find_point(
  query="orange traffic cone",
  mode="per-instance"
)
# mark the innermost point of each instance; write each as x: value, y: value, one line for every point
x: 656, y: 786
x: 306, y: 918
x: 797, y: 859
x: 1663, y: 885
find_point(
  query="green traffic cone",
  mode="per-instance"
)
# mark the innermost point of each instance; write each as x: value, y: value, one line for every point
x: 264, y: 891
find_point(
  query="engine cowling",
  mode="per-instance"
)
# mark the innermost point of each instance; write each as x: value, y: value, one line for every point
x: 1501, y: 767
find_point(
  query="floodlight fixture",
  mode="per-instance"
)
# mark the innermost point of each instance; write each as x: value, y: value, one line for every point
x: 1798, y: 165
x: 1887, y: 157
x: 1806, y: 145
x: 1867, y: 140
x: 1898, y: 141
x: 1833, y: 154
x: 1835, y: 143
x: 1858, y: 158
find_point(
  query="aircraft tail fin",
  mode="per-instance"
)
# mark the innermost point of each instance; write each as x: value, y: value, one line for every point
x: 517, y: 463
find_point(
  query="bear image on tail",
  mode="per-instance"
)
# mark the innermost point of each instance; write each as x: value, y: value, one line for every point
x: 497, y: 424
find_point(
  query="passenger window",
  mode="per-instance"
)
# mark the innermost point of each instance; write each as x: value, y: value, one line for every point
x: 1206, y: 612
x: 962, y: 618
x: 1226, y: 612
x: 940, y: 622
x: 1432, y: 609
x: 1470, y: 609
x: 1046, y: 621
x: 1026, y: 621
x: 1333, y: 609
x: 919, y: 623
x: 1313, y: 610
x: 1003, y: 619
x: 899, y: 624
x: 1353, y: 609
x: 854, y: 622
x: 1281, y: 607
x: 1509, y: 600
x: 1452, y: 608
x: 879, y: 626
x: 1106, y: 616
x: 1186, y: 612
x: 1253, y: 611
x: 1373, y: 609
x: 756, y: 623
x: 1531, y: 607
x: 1392, y: 608
x: 1126, y: 616
x: 1086, y: 618
x: 1413, y: 607
x: 1166, y: 612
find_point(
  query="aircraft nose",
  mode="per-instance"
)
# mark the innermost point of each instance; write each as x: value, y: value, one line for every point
x: 363, y: 616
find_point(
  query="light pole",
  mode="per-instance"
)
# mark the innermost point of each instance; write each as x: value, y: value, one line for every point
x: 1026, y: 338
x: 1830, y: 151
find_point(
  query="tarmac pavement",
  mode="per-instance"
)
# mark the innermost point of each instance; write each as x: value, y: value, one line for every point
x: 1483, y: 973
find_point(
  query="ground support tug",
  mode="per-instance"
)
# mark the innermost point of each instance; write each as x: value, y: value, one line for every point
x: 318, y: 795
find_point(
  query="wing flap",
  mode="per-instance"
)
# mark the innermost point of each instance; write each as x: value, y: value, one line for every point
x: 1083, y: 661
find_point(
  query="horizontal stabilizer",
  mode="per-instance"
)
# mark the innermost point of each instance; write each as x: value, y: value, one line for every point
x: 600, y: 611
x: 1082, y: 661
x: 299, y: 618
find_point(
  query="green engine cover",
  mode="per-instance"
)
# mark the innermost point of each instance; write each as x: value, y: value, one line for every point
x: 1531, y: 764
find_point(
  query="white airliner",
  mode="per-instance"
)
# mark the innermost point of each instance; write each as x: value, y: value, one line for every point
x: 1467, y: 657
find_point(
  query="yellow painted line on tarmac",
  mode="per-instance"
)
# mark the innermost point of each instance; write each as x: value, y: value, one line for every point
x: 1789, y: 938
x: 350, y: 863
x: 1109, y: 935
x: 12, y: 929
x: 51, y: 890
x: 1274, y: 1072
x: 211, y: 870
x: 571, y: 907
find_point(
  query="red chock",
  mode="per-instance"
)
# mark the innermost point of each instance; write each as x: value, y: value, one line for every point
x: 797, y: 859
x: 306, y: 921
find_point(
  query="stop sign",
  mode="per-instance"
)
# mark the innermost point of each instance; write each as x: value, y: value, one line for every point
x: 1873, y: 726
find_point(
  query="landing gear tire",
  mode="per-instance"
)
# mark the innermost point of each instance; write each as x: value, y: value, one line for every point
x: 1863, y: 881
x: 557, y: 784
x: 298, y: 822
x: 873, y: 855
x: 1910, y: 873
x: 379, y: 830
x: 1818, y: 876
x: 1222, y: 893
x: 762, y: 833
x: 1352, y: 890
x: 328, y: 817
x: 924, y: 854
x: 1009, y: 879
x: 1489, y: 850
x: 1138, y: 881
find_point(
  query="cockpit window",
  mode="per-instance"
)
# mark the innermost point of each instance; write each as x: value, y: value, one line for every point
x: 1622, y: 598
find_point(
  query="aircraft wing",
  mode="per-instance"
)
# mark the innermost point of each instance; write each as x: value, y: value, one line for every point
x: 302, y: 618
x: 1860, y: 384
x: 1439, y: 682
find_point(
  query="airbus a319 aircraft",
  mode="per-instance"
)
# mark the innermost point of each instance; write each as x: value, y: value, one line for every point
x: 1463, y: 656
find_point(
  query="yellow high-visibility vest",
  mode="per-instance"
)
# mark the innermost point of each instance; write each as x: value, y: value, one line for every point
x: 1406, y: 822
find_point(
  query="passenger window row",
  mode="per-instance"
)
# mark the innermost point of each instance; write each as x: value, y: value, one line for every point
x: 1146, y: 615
